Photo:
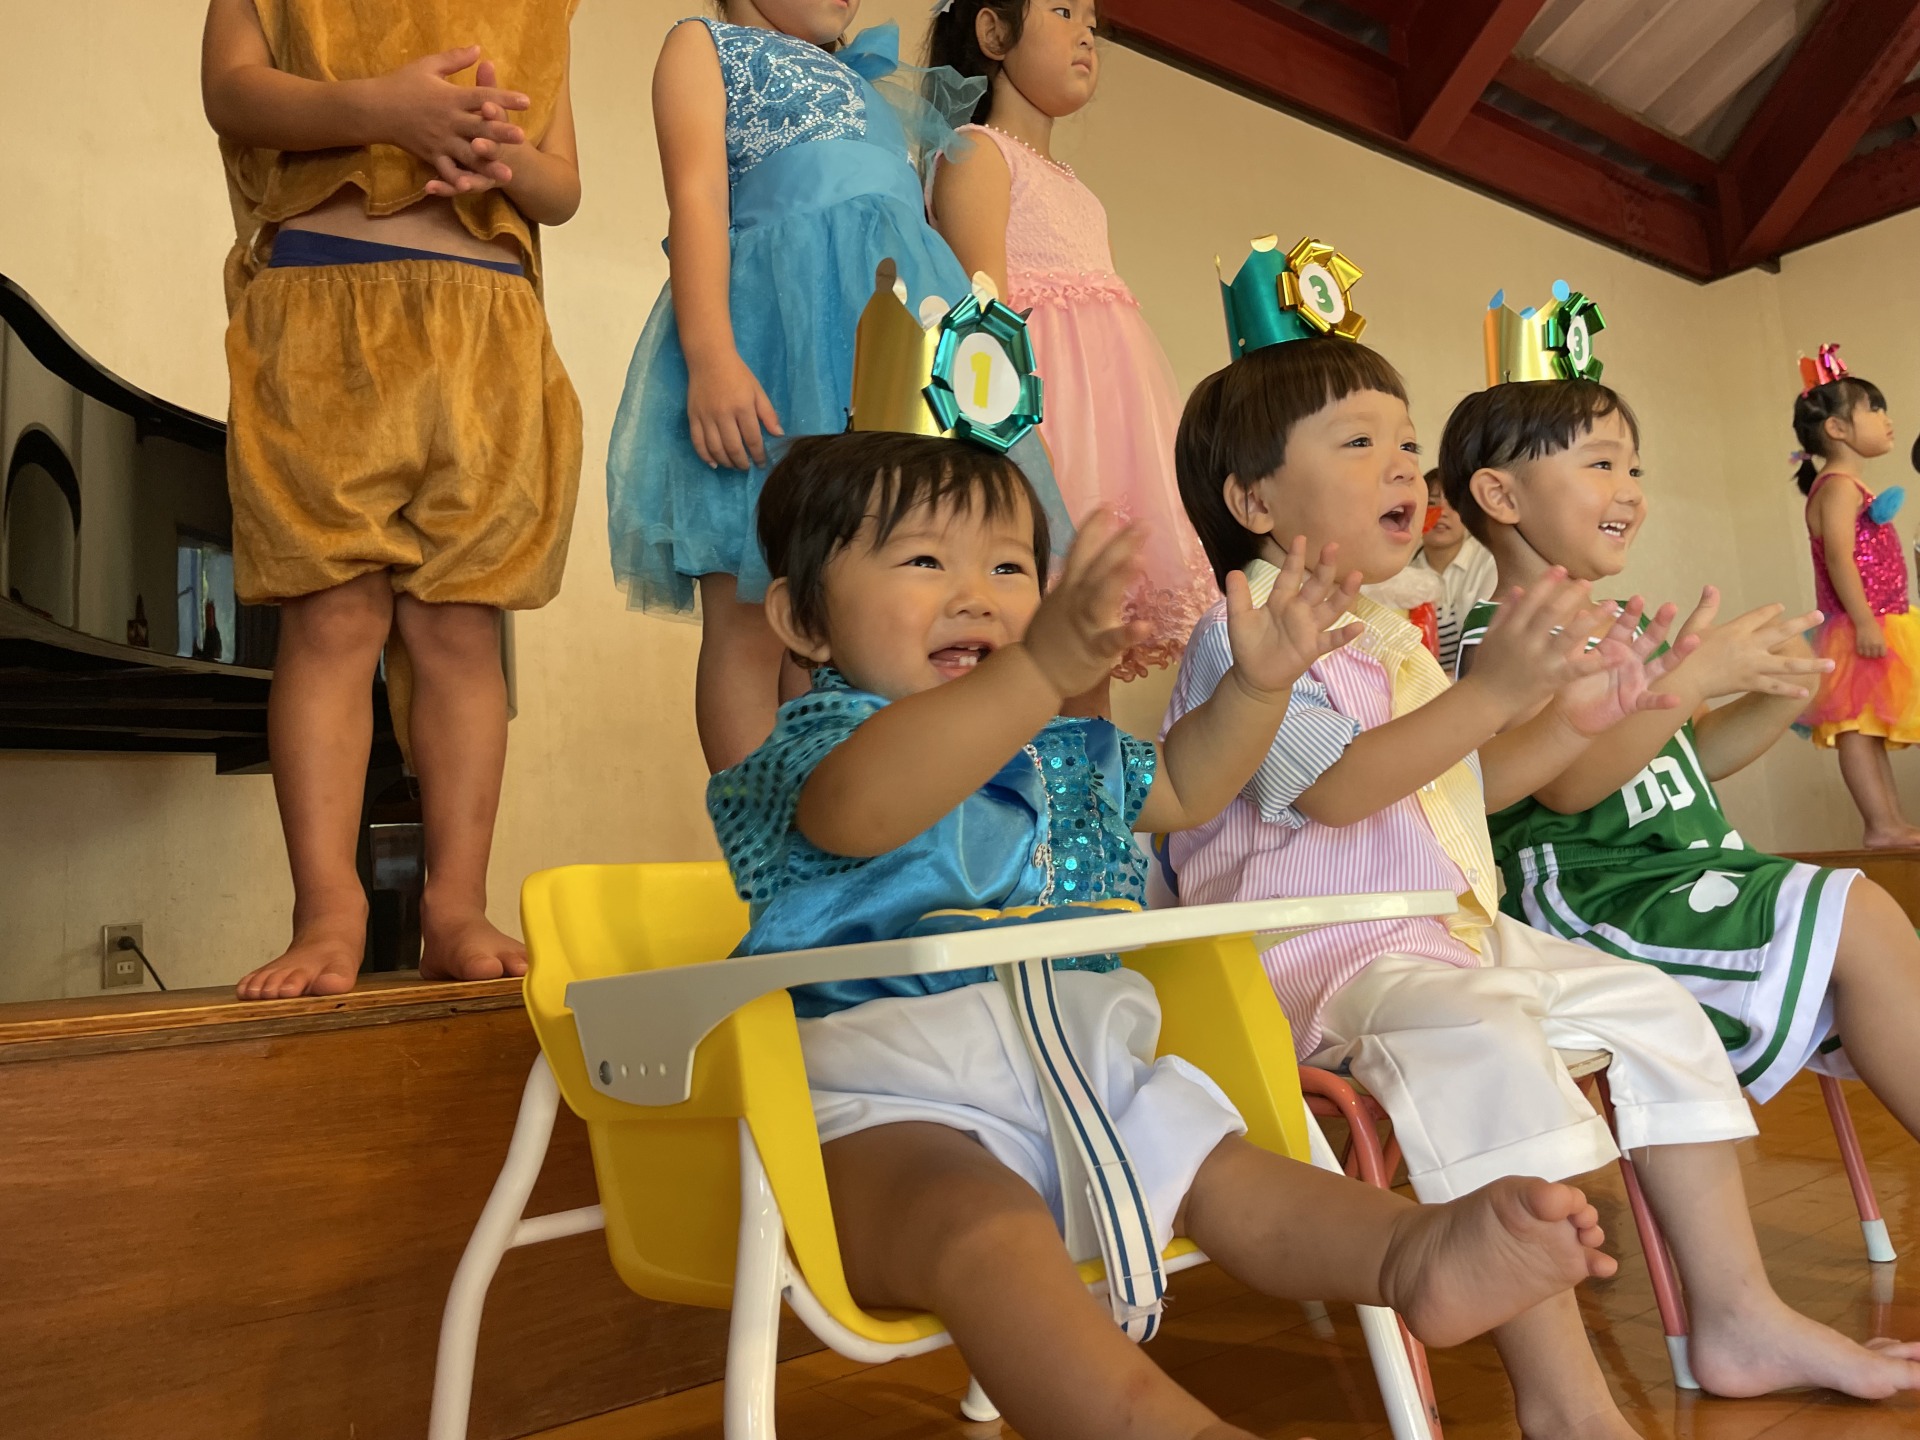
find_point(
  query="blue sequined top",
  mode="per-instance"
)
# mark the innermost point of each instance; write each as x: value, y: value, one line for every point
x: 1054, y: 826
x: 781, y: 91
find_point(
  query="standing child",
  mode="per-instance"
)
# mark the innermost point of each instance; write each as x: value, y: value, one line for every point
x: 788, y: 180
x: 1375, y: 781
x: 1014, y: 212
x: 1628, y: 851
x: 403, y: 445
x: 1871, y: 701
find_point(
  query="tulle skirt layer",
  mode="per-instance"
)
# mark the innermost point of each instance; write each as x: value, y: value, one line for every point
x: 811, y: 224
x: 1112, y: 407
x: 1868, y: 697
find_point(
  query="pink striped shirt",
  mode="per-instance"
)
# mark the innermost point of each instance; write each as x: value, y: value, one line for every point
x: 1261, y: 847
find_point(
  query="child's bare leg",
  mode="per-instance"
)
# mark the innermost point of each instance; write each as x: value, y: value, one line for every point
x: 1745, y: 1339
x: 1869, y: 775
x: 1876, y: 983
x: 459, y: 738
x: 1558, y: 1390
x: 319, y: 730
x: 928, y: 1220
x: 1453, y: 1271
x: 736, y: 687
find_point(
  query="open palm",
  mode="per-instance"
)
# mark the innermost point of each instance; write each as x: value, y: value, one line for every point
x: 1276, y: 643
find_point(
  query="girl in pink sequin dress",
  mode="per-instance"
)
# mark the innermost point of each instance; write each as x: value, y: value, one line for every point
x: 1871, y: 699
x: 1009, y: 209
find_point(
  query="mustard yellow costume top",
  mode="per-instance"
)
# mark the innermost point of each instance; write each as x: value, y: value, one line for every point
x: 358, y: 40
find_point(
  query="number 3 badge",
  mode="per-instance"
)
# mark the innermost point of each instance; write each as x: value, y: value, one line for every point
x: 1317, y: 285
x: 983, y: 387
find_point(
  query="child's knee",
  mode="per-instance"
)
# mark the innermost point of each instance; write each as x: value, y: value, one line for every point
x: 349, y: 621
x: 466, y: 637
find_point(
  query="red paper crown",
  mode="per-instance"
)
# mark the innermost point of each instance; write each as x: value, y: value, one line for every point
x: 1823, y: 369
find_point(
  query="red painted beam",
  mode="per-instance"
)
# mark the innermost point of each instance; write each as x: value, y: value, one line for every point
x: 1454, y: 48
x: 1904, y: 105
x: 1849, y: 65
x: 1272, y: 52
x: 1864, y: 190
x: 1599, y: 115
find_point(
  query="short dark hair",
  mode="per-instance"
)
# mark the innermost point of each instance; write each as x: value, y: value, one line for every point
x: 825, y: 487
x: 1238, y: 419
x: 1521, y: 420
x: 1835, y: 400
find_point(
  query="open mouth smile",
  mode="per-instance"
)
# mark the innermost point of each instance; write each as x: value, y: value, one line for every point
x: 952, y: 661
x: 1398, y: 521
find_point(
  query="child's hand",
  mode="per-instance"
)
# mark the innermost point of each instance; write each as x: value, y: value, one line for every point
x: 1753, y: 653
x: 1537, y: 644
x: 484, y: 146
x: 726, y: 409
x: 457, y: 129
x: 1869, y: 640
x: 1080, y: 630
x: 1275, y: 645
x: 1598, y: 702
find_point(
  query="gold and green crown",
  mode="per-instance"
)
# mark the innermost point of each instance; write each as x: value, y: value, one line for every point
x: 1277, y: 297
x: 964, y: 371
x: 1554, y: 342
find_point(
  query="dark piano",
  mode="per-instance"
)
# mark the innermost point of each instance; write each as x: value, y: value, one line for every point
x: 119, y: 630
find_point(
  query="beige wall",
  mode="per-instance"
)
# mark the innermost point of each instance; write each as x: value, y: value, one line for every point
x: 118, y: 220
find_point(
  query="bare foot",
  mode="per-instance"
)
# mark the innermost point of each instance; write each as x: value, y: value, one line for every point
x: 1902, y: 837
x: 1771, y: 1346
x: 1455, y: 1271
x: 464, y: 945
x: 324, y: 959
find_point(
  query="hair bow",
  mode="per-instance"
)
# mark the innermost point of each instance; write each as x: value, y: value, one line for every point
x: 941, y: 7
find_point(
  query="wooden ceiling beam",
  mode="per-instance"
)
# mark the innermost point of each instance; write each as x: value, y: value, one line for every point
x: 1453, y: 50
x: 1593, y: 112
x: 1847, y: 68
x: 1863, y: 190
x: 1904, y: 105
x: 1270, y: 51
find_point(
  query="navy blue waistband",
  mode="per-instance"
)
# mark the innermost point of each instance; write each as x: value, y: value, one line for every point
x: 315, y: 247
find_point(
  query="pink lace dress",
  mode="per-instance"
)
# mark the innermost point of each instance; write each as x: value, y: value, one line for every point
x: 1111, y: 403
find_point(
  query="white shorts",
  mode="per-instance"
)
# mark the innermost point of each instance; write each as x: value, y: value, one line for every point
x: 957, y: 1059
x: 1463, y: 1060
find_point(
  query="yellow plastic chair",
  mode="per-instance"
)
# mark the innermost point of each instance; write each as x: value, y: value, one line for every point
x: 686, y: 1067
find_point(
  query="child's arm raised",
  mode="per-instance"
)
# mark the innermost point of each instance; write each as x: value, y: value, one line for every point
x: 1530, y: 651
x: 1837, y: 509
x: 726, y: 406
x: 1738, y: 733
x: 915, y: 759
x: 1214, y: 749
x: 458, y: 129
x: 972, y: 200
x: 1756, y: 655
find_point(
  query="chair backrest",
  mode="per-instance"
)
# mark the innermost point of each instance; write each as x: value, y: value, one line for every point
x: 669, y: 1176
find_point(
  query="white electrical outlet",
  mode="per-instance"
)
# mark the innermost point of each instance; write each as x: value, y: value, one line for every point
x: 120, y: 968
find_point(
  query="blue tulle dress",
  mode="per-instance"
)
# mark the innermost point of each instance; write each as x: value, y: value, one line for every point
x: 823, y: 189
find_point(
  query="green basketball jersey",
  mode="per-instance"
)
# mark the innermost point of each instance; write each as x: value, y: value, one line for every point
x: 1670, y: 805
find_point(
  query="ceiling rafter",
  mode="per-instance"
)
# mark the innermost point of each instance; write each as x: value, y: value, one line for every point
x: 1810, y: 121
x: 1453, y: 49
x: 1420, y: 87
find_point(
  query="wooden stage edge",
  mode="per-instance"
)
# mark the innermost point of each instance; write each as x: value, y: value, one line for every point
x: 225, y: 1220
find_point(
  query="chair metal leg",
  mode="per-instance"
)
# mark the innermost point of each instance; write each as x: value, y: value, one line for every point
x: 500, y: 1229
x: 976, y: 1406
x: 1407, y: 1415
x: 1879, y: 1244
x: 753, y: 1330
x: 1660, y: 1267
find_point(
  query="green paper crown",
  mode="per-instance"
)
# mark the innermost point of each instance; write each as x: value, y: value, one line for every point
x: 1276, y: 298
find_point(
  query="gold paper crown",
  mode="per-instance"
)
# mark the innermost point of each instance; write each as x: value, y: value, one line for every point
x: 1554, y: 342
x: 964, y: 371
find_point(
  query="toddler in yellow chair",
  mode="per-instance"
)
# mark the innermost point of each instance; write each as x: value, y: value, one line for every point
x: 929, y: 770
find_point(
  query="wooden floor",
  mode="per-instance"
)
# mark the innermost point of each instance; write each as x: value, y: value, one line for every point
x: 1269, y: 1367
